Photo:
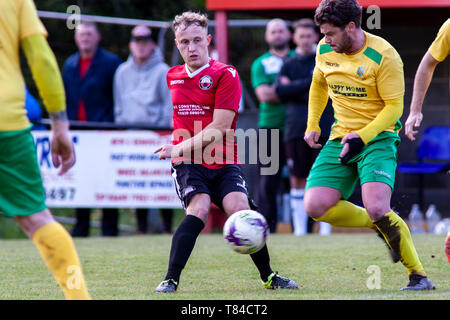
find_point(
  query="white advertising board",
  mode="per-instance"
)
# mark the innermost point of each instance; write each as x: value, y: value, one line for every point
x: 113, y: 169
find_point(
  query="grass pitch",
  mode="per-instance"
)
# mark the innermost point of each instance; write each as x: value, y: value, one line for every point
x: 325, y: 267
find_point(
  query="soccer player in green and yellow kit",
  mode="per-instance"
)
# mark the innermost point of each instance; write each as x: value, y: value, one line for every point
x: 22, y: 195
x: 438, y: 51
x: 363, y: 75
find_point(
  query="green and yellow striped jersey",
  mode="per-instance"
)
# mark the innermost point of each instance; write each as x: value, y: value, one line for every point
x: 360, y: 83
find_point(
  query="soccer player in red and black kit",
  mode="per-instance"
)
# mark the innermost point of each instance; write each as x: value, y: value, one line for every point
x: 205, y: 95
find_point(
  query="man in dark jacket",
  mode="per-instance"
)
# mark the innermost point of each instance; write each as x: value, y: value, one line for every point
x: 88, y: 80
x: 292, y: 87
x: 271, y: 117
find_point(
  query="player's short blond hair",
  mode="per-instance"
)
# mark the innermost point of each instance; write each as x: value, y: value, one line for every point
x: 188, y: 18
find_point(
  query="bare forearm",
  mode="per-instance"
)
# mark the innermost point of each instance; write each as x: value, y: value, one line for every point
x: 266, y: 93
x: 59, y: 122
x: 210, y: 134
x: 422, y: 81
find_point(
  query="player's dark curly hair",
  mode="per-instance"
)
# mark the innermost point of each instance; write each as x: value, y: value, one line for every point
x: 338, y: 13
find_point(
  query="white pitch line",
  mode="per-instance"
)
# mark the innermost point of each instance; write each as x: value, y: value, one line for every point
x: 408, y: 294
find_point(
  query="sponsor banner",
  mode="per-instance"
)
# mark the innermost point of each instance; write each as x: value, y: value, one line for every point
x: 113, y: 169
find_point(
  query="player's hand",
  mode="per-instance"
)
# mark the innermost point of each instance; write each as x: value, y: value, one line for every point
x: 165, y: 151
x: 353, y: 145
x: 62, y: 150
x: 414, y: 120
x: 284, y: 80
x: 312, y: 139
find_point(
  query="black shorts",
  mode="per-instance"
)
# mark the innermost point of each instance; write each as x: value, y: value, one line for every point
x: 191, y: 179
x: 300, y: 157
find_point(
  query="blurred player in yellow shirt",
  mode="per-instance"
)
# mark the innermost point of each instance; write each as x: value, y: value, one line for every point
x: 22, y: 195
x: 438, y: 51
x: 363, y: 76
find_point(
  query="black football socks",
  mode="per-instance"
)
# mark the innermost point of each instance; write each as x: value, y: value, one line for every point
x: 261, y: 259
x: 183, y: 242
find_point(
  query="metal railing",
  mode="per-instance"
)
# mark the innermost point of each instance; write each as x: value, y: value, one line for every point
x: 94, y: 125
x: 163, y: 26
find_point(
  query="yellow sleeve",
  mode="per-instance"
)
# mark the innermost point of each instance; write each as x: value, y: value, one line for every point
x: 30, y: 23
x: 318, y: 98
x: 45, y: 72
x: 387, y: 117
x: 440, y: 48
x: 390, y: 76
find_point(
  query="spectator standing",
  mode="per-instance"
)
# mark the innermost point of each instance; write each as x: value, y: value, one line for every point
x: 141, y: 96
x: 292, y: 86
x: 272, y: 112
x: 88, y: 81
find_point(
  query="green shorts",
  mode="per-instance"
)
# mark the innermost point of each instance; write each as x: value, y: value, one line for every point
x: 21, y: 189
x: 376, y: 162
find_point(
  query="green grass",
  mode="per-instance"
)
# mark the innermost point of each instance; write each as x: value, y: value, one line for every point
x: 332, y: 267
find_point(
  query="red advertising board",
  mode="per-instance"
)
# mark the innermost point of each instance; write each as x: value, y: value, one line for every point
x: 312, y: 4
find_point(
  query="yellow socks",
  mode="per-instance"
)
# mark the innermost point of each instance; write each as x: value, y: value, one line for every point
x: 395, y: 231
x: 397, y: 235
x: 346, y: 214
x: 57, y: 249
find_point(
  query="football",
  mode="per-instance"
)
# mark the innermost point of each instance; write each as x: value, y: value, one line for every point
x: 246, y: 231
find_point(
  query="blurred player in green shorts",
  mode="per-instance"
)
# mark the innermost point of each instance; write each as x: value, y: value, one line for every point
x: 22, y: 195
x: 363, y: 75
